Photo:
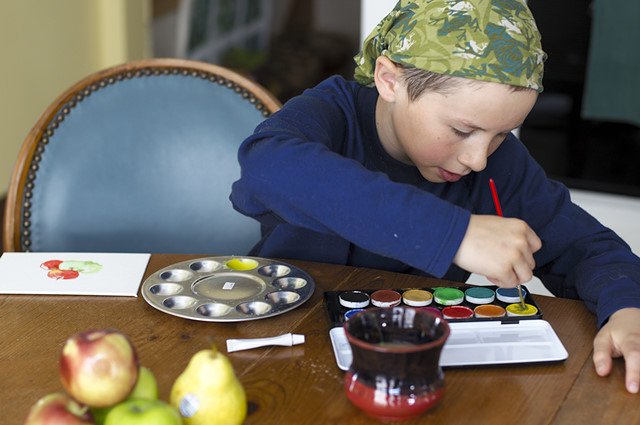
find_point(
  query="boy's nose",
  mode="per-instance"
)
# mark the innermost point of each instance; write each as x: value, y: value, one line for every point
x: 474, y: 157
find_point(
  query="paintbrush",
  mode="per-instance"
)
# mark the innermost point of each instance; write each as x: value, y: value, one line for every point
x: 496, y: 202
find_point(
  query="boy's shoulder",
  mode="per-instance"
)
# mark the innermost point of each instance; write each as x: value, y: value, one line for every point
x: 338, y: 81
x: 338, y: 84
x: 341, y: 93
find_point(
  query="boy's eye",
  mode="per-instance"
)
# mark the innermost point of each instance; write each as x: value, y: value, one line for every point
x: 460, y: 132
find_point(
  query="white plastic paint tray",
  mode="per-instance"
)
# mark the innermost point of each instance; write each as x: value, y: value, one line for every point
x: 482, y: 343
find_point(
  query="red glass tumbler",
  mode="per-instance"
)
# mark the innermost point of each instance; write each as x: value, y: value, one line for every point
x: 395, y: 373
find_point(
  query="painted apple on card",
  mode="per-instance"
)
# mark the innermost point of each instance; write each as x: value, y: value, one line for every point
x: 59, y: 269
x: 66, y: 273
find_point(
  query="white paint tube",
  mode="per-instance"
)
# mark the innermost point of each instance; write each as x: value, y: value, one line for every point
x: 286, y: 340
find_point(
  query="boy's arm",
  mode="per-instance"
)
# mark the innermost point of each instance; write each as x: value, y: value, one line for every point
x: 294, y: 171
x: 286, y: 180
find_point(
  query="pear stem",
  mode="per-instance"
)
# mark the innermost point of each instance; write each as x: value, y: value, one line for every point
x: 214, y: 347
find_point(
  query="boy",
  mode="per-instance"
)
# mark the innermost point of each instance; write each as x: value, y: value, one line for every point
x: 392, y: 172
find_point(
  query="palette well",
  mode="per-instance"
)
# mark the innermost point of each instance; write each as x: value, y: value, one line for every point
x: 227, y: 289
x: 483, y: 330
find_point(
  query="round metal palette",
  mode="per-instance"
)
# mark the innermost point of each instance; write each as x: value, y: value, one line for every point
x: 227, y: 289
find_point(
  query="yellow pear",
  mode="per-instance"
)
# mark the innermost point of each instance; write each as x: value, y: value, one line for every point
x: 208, y: 391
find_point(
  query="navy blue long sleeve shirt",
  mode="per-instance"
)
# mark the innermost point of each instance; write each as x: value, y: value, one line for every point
x: 319, y: 181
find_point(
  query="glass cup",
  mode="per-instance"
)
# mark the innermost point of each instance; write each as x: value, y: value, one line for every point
x: 395, y: 373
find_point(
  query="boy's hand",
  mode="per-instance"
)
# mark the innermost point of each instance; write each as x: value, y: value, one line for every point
x: 620, y: 337
x: 499, y: 248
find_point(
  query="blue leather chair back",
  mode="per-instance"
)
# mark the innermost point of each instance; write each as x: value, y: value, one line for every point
x: 141, y: 158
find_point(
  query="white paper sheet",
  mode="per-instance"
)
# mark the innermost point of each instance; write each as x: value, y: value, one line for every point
x: 86, y: 273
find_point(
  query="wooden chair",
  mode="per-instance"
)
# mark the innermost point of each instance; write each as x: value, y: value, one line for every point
x: 138, y: 158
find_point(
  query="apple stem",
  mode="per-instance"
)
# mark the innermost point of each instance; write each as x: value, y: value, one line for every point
x: 83, y: 410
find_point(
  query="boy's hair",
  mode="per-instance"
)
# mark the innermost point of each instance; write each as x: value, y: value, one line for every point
x: 419, y: 81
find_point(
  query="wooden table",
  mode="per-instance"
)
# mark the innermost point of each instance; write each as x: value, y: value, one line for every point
x: 302, y: 384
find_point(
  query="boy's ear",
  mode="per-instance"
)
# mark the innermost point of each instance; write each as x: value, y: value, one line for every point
x: 387, y: 78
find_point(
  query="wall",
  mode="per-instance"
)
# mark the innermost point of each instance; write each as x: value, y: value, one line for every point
x: 371, y: 12
x: 47, y: 46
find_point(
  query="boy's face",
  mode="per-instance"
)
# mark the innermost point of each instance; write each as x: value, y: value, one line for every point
x: 447, y: 136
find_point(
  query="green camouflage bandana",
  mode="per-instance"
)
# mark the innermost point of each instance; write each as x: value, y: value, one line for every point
x: 487, y: 40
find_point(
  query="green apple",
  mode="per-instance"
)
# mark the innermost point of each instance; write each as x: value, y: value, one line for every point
x: 146, y: 388
x: 143, y: 412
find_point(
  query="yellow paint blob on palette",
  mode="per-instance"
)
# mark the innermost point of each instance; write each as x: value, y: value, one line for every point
x: 515, y: 310
x: 242, y: 264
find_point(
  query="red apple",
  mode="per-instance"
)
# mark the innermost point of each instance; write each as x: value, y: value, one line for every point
x: 99, y: 368
x: 58, y: 409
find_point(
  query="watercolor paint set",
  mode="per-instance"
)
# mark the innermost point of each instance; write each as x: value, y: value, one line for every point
x: 462, y: 303
x: 488, y: 325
